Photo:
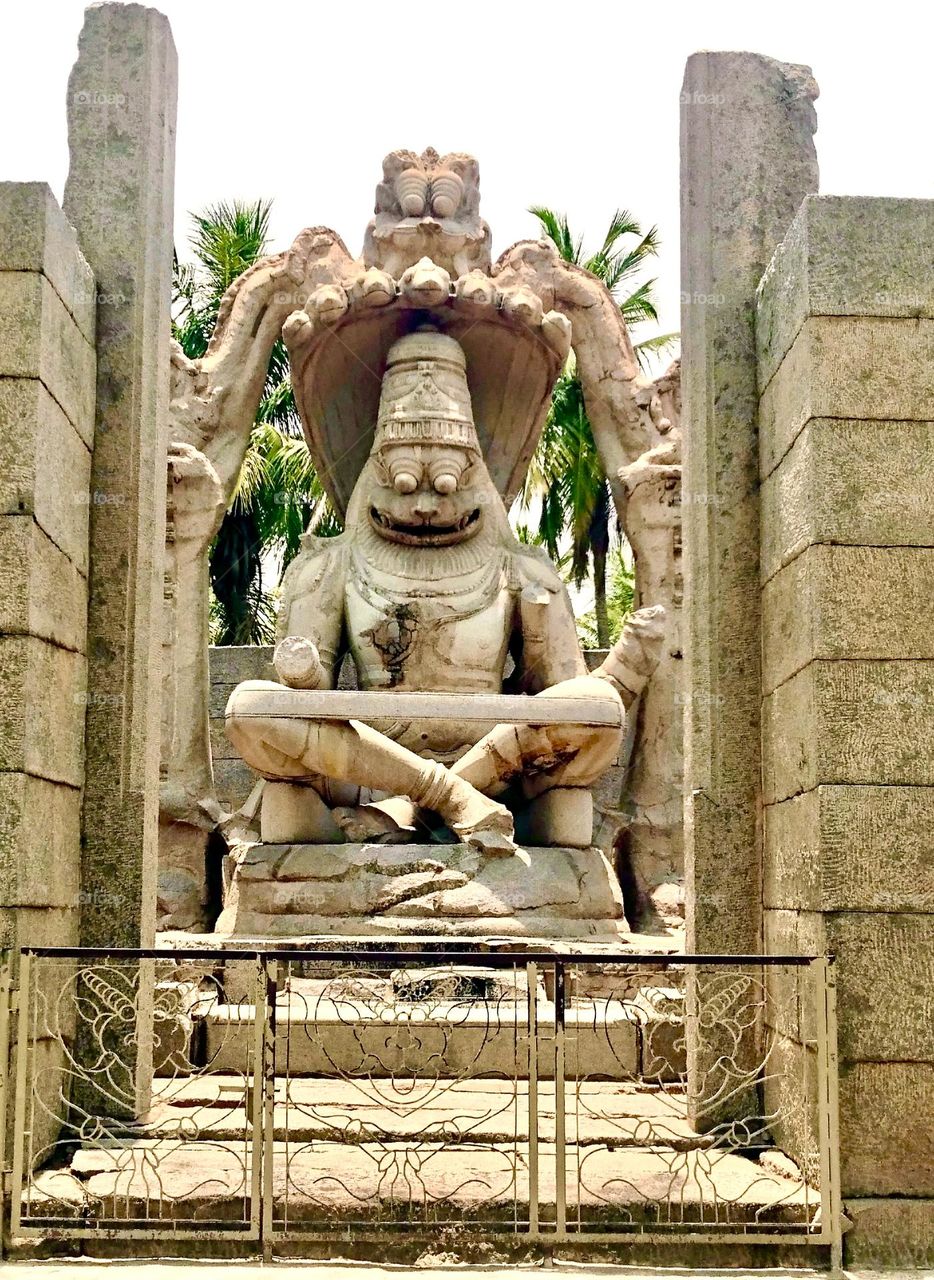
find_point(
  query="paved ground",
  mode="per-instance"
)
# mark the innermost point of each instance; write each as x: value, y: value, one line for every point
x: 87, y: 1270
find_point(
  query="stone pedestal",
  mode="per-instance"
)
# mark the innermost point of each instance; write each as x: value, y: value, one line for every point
x: 378, y: 890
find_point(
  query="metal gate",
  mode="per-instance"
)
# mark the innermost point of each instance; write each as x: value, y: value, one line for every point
x: 276, y: 1096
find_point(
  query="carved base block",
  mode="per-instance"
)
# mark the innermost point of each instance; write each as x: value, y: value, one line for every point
x: 359, y: 890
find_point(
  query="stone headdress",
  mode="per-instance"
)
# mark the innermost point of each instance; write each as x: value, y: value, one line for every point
x: 424, y: 397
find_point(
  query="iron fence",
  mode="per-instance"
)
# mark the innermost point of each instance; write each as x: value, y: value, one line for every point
x: 276, y: 1096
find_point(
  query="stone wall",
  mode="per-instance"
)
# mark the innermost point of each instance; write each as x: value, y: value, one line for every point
x: 47, y: 390
x: 845, y: 346
x: 233, y: 780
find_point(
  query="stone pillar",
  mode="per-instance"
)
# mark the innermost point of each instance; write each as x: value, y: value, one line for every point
x: 119, y: 197
x: 747, y: 161
x: 845, y: 333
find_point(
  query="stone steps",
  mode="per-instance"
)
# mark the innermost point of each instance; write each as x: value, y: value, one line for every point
x: 340, y: 1184
x: 474, y: 1112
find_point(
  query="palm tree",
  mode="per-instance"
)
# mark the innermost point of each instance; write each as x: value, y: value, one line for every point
x: 567, y: 476
x: 277, y: 495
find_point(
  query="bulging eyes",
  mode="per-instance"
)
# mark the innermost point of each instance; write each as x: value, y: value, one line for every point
x: 412, y: 192
x: 415, y: 192
x: 447, y: 191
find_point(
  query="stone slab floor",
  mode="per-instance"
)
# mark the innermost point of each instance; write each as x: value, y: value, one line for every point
x: 82, y: 1269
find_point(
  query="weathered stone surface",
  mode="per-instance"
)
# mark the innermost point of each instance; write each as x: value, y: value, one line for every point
x: 863, y: 483
x: 45, y: 466
x: 848, y: 367
x: 119, y: 198
x: 289, y: 812
x: 885, y: 978
x: 42, y: 699
x: 651, y: 845
x: 39, y: 339
x: 38, y: 926
x: 563, y: 816
x: 231, y: 664
x: 858, y: 848
x: 41, y: 592
x: 35, y: 236
x: 890, y: 1233
x: 859, y: 722
x: 843, y: 602
x: 747, y: 161
x: 39, y: 842
x: 887, y: 1128
x: 845, y: 256
x: 287, y: 889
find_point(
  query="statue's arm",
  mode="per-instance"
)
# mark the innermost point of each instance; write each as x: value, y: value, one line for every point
x: 622, y: 403
x: 313, y: 603
x: 548, y: 650
x: 215, y: 398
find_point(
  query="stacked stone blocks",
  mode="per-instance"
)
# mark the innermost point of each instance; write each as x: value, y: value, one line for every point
x: 845, y: 347
x: 47, y: 397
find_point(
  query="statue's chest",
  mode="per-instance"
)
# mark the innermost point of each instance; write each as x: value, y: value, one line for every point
x: 437, y: 644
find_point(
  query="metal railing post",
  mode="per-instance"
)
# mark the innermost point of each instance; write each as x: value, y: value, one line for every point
x: 531, y: 973
x: 6, y: 997
x: 829, y: 1112
x: 19, y: 1100
x: 271, y: 968
x: 561, y: 1189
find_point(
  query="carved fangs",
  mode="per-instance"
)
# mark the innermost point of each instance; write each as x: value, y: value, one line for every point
x: 425, y: 535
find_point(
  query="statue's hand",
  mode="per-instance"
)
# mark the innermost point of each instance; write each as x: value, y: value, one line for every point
x: 297, y: 663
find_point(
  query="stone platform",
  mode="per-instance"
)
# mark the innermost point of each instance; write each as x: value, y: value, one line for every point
x: 448, y: 890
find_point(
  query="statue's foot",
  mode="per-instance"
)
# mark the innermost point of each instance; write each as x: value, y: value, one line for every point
x: 484, y: 824
x: 383, y: 822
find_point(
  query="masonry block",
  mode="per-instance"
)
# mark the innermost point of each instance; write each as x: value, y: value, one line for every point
x: 887, y: 1128
x: 863, y: 483
x: 41, y: 592
x: 40, y: 339
x: 885, y: 978
x: 847, y: 602
x: 847, y: 367
x: 42, y: 699
x: 857, y: 848
x: 856, y: 721
x: 845, y: 256
x: 36, y: 236
x: 40, y: 826
x: 45, y: 466
x: 888, y: 1233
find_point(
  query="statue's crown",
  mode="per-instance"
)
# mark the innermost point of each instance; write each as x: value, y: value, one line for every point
x: 425, y: 398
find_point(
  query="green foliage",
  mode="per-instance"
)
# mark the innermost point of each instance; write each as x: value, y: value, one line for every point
x: 620, y: 598
x: 278, y: 494
x: 566, y: 478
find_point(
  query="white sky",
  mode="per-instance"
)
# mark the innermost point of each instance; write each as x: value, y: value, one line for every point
x: 573, y: 106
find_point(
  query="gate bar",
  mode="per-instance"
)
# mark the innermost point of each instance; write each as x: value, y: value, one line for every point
x: 495, y: 959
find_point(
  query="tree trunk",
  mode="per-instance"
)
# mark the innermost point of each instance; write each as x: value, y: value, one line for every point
x: 599, y: 599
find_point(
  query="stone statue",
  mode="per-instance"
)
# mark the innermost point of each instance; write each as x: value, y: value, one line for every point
x: 425, y: 274
x: 430, y: 592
